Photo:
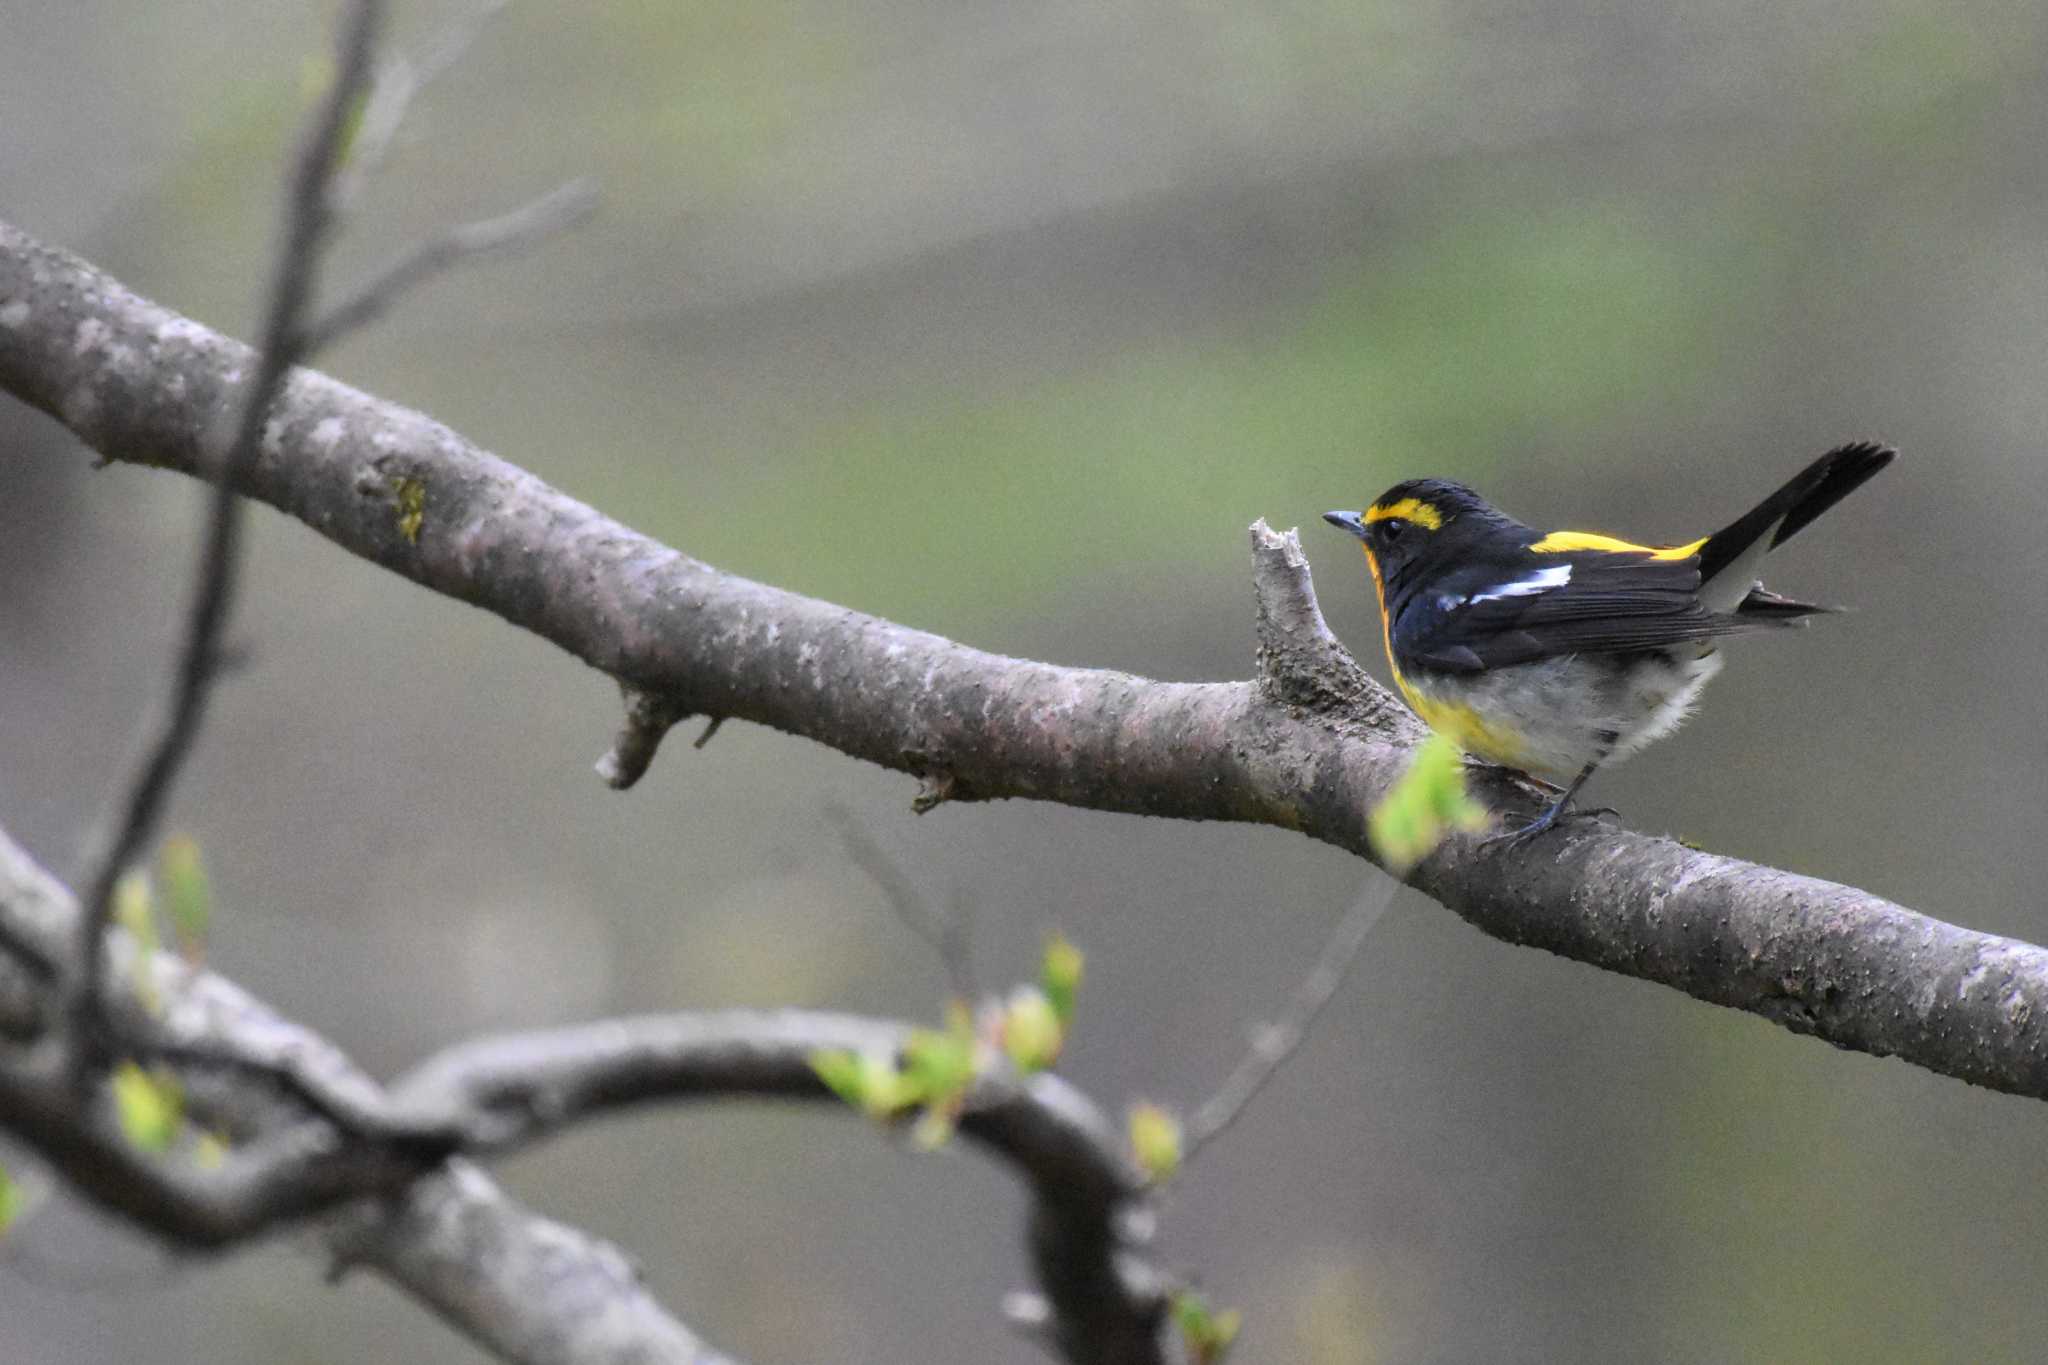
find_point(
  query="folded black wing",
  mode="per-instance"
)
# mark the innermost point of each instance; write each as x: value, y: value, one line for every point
x: 1580, y: 602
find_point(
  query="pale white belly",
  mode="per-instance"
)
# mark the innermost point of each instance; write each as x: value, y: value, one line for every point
x: 1553, y: 717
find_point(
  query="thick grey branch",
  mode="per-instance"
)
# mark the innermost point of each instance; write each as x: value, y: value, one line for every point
x: 483, y: 1262
x: 1310, y: 747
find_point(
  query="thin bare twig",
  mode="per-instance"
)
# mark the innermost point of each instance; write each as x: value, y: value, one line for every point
x: 1273, y: 1043
x: 398, y: 81
x: 320, y: 189
x: 948, y: 935
x: 283, y: 344
x: 560, y: 208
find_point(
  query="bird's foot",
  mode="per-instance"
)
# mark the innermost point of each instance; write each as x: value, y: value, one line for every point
x: 1548, y: 820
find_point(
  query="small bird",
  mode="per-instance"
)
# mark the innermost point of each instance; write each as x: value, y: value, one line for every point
x: 1555, y: 652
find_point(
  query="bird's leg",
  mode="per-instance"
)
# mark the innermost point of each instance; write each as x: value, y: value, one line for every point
x: 1549, y: 816
x: 1509, y: 773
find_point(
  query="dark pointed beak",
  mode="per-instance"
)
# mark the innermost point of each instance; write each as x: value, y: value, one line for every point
x: 1347, y: 521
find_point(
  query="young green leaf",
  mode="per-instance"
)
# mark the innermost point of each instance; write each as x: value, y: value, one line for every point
x: 1207, y: 1332
x: 842, y: 1074
x: 1032, y: 1031
x: 188, y: 899
x: 150, y: 1106
x: 934, y: 1127
x: 134, y: 912
x: 938, y: 1066
x: 867, y: 1081
x: 1059, y: 976
x: 1155, y: 1140
x: 13, y: 1200
x: 211, y: 1150
x: 1427, y: 804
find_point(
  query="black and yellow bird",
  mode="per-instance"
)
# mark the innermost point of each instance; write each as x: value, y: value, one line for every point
x: 1555, y: 652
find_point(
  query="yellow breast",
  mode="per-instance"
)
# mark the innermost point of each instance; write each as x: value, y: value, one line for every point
x: 1465, y: 727
x: 1454, y: 720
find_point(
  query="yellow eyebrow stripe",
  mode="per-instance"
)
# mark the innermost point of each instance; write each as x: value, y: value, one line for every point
x: 1559, y: 541
x: 1408, y: 509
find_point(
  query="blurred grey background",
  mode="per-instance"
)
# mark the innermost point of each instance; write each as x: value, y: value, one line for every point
x: 1005, y: 320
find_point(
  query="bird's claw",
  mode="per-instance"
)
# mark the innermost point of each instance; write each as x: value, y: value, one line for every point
x: 1548, y: 820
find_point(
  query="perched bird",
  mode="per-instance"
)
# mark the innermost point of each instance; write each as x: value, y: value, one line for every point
x: 1555, y: 652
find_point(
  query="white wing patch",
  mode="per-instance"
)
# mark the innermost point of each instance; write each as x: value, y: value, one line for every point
x: 1543, y: 580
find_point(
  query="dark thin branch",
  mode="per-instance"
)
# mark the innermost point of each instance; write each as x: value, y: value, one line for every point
x: 283, y: 343
x: 560, y: 208
x: 1274, y: 1043
x: 1310, y: 746
x: 946, y: 933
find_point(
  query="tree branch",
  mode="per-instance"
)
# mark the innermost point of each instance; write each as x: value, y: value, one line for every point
x: 1310, y: 746
x: 314, y: 1133
x: 397, y: 83
x: 514, y: 1282
x: 560, y: 208
x: 519, y: 1285
x: 285, y: 343
x: 944, y: 932
x: 1273, y: 1043
x: 648, y: 720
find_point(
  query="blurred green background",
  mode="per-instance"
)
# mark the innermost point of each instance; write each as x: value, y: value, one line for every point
x: 1005, y: 321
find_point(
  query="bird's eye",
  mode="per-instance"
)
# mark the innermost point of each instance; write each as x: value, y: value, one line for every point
x: 1391, y: 528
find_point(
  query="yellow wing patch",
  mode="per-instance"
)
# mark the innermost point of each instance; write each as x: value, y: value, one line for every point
x: 1558, y: 541
x: 1408, y: 509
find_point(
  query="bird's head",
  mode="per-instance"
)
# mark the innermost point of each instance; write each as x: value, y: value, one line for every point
x: 1412, y: 521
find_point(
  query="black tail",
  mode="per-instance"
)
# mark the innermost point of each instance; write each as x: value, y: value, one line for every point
x: 1814, y: 490
x: 1767, y: 608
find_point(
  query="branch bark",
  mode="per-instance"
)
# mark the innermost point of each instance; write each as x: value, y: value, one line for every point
x: 521, y: 1286
x: 1309, y: 745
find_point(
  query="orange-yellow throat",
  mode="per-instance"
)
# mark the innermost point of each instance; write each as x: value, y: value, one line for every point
x: 1455, y: 721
